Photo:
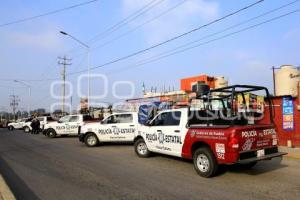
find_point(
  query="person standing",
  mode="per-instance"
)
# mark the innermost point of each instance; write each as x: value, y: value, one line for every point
x: 37, y: 128
x: 35, y: 125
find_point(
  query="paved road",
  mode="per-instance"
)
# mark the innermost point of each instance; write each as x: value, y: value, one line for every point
x: 37, y: 167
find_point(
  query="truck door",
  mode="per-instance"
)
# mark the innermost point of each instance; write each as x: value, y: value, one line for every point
x: 168, y: 130
x: 117, y: 127
x: 124, y: 128
x: 18, y: 124
x: 72, y: 125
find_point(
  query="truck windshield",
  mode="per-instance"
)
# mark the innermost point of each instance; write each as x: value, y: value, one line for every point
x: 64, y: 119
x: 235, y: 105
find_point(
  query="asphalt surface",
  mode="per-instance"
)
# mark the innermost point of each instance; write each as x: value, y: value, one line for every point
x: 37, y: 167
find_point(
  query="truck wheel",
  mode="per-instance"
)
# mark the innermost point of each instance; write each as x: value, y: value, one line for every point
x: 205, y: 162
x: 51, y: 133
x: 141, y: 148
x: 10, y: 128
x: 91, y: 140
x: 26, y: 129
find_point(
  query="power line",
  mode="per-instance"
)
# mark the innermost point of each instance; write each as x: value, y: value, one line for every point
x: 47, y: 13
x: 127, y: 20
x: 124, y: 21
x: 171, y: 39
x: 173, y: 52
x: 159, y: 44
x: 161, y: 56
x: 141, y: 25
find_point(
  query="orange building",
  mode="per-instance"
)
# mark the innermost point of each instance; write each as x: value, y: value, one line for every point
x: 186, y: 84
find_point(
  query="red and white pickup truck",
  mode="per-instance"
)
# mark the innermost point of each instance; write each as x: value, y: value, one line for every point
x: 219, y: 130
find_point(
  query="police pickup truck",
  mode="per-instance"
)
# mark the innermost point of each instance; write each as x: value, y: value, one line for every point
x: 43, y: 121
x: 118, y: 127
x: 18, y: 124
x: 67, y: 125
x: 217, y: 131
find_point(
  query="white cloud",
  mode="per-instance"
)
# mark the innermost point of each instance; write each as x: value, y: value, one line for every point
x: 41, y: 40
x: 177, y: 21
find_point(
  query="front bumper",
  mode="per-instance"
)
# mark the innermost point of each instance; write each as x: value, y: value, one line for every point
x: 248, y: 157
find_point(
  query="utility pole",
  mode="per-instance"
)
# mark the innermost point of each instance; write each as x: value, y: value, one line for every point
x: 14, y: 103
x: 29, y: 93
x: 64, y: 61
x: 88, y: 62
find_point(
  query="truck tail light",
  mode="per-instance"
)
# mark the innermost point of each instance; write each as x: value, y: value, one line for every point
x: 233, y: 141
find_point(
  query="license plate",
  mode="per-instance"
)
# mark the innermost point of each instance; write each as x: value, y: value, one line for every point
x: 260, y: 153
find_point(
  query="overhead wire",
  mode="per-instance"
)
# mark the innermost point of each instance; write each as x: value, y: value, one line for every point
x: 171, y: 39
x: 141, y: 25
x: 47, y: 13
x: 127, y: 20
x: 175, y: 52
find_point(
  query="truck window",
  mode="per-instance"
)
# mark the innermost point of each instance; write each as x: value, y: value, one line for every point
x: 124, y: 118
x: 109, y: 120
x: 167, y: 119
x: 64, y: 119
x: 74, y: 119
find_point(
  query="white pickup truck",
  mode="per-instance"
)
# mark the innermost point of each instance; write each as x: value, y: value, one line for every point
x: 19, y: 124
x: 67, y: 125
x: 118, y: 127
x: 43, y: 121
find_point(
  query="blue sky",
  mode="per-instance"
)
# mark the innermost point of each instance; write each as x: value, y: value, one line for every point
x: 29, y: 50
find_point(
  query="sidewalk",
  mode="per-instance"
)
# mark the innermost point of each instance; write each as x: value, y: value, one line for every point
x: 292, y: 152
x: 5, y: 193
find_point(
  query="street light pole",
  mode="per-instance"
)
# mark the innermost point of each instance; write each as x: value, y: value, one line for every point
x: 29, y: 94
x: 88, y: 62
x: 89, y: 86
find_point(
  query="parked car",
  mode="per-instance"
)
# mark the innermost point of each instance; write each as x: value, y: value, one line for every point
x: 18, y: 124
x: 43, y: 121
x: 118, y: 127
x: 67, y: 125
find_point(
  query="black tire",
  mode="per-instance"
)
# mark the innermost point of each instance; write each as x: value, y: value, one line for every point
x: 205, y: 162
x: 91, y: 140
x: 141, y: 148
x: 10, y: 128
x: 26, y: 129
x: 51, y: 133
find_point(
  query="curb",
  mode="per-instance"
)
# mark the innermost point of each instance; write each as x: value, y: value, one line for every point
x: 5, y: 192
x: 292, y: 152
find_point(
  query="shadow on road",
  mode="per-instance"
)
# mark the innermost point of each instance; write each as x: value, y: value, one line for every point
x: 260, y: 168
x: 15, y: 183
